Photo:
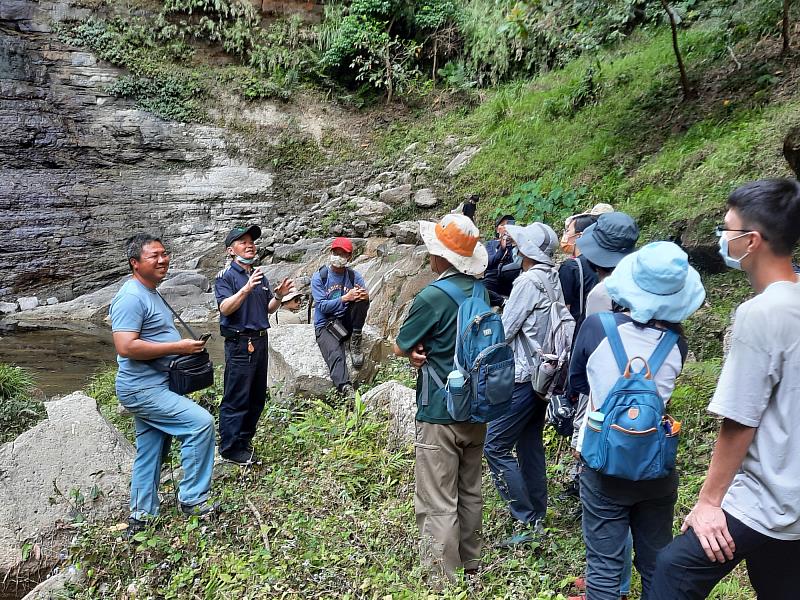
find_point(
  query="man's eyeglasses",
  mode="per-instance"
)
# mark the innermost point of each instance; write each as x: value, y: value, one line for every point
x: 719, y: 229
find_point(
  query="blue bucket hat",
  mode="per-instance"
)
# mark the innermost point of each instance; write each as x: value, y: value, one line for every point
x: 606, y: 242
x: 656, y: 282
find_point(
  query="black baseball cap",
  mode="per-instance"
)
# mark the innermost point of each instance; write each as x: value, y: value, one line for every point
x: 502, y: 218
x: 237, y: 232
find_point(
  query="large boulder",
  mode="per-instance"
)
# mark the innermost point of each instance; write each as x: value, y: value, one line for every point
x: 370, y: 211
x: 296, y: 365
x: 405, y: 232
x: 400, y: 402
x: 396, y: 195
x: 73, y: 466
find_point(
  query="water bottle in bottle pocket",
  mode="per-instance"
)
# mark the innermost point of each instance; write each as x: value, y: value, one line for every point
x: 457, y: 402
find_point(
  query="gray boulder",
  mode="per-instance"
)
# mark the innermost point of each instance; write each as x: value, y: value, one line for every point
x: 396, y: 195
x: 59, y: 585
x: 425, y: 198
x: 400, y: 403
x: 8, y: 307
x: 197, y: 314
x: 190, y: 277
x: 28, y: 302
x: 51, y: 300
x: 370, y: 211
x: 74, y: 465
x: 295, y: 363
x: 406, y: 232
x: 461, y: 160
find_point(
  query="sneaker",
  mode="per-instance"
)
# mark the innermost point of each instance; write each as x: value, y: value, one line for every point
x: 241, y: 457
x: 204, y: 509
x: 347, y: 391
x: 525, y: 534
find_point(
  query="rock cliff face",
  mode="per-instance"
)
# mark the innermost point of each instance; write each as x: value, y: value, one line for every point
x: 81, y: 170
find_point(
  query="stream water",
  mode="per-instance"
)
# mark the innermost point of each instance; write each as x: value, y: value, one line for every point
x: 62, y: 361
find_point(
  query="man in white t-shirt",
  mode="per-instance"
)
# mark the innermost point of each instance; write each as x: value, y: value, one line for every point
x: 749, y: 506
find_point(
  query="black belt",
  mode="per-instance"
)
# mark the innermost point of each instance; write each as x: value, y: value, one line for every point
x: 229, y: 333
x: 254, y: 332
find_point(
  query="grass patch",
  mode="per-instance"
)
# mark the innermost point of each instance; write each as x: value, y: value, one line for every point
x: 19, y: 410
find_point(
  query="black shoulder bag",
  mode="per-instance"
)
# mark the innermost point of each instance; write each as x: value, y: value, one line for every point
x: 189, y: 372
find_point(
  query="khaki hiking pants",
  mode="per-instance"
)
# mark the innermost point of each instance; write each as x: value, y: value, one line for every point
x: 447, y: 496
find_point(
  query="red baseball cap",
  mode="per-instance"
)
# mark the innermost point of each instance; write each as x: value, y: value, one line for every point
x: 343, y: 243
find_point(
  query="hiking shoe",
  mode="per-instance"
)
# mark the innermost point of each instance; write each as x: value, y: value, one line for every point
x: 356, y: 354
x: 135, y: 526
x: 525, y: 534
x: 204, y: 509
x: 347, y: 391
x: 241, y: 457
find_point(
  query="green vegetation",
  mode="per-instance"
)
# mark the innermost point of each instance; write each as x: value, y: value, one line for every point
x: 19, y: 410
x: 329, y: 513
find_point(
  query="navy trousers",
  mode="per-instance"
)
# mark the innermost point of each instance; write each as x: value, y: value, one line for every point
x: 245, y: 392
x: 683, y: 571
x: 521, y: 480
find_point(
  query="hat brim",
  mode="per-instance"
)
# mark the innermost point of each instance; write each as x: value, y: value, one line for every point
x: 598, y: 255
x: 527, y: 247
x: 468, y: 265
x: 291, y: 296
x: 253, y: 230
x: 645, y: 305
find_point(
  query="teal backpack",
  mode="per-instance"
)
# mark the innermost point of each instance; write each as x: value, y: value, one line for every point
x: 481, y: 356
x: 630, y: 436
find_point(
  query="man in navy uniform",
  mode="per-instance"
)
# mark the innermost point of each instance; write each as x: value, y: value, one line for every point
x: 244, y: 301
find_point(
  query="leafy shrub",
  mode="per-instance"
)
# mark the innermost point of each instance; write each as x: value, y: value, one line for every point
x: 531, y: 202
x: 170, y: 96
x: 19, y: 411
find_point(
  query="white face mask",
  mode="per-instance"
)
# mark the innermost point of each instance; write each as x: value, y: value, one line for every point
x: 245, y: 261
x: 733, y: 263
x: 338, y: 261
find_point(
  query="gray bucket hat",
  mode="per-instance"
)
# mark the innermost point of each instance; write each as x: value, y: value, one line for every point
x: 606, y: 242
x: 537, y: 241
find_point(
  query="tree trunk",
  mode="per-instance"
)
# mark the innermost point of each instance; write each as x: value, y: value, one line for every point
x: 785, y: 27
x: 688, y: 92
x: 389, y: 79
x: 435, y: 53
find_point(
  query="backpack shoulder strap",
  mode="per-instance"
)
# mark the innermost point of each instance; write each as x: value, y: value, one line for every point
x: 477, y: 289
x: 580, y: 276
x: 349, y: 273
x: 668, y: 340
x: 539, y: 274
x: 452, y: 290
x: 614, y: 340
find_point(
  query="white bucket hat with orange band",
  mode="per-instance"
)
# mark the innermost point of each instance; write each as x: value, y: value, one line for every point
x: 455, y: 238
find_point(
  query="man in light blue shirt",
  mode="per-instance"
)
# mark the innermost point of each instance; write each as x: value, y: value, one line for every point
x: 146, y: 340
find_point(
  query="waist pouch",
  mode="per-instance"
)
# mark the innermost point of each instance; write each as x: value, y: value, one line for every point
x: 190, y: 373
x: 337, y: 329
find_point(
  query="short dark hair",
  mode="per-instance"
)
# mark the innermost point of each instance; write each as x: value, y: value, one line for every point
x: 583, y: 221
x: 771, y: 207
x: 135, y: 244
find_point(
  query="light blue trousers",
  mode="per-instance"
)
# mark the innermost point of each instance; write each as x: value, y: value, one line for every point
x: 159, y: 413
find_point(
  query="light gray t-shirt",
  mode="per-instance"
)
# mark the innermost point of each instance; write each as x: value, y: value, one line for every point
x: 598, y: 300
x: 760, y: 387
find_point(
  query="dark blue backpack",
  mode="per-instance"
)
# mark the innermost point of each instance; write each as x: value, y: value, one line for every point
x: 481, y: 355
x: 630, y: 436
